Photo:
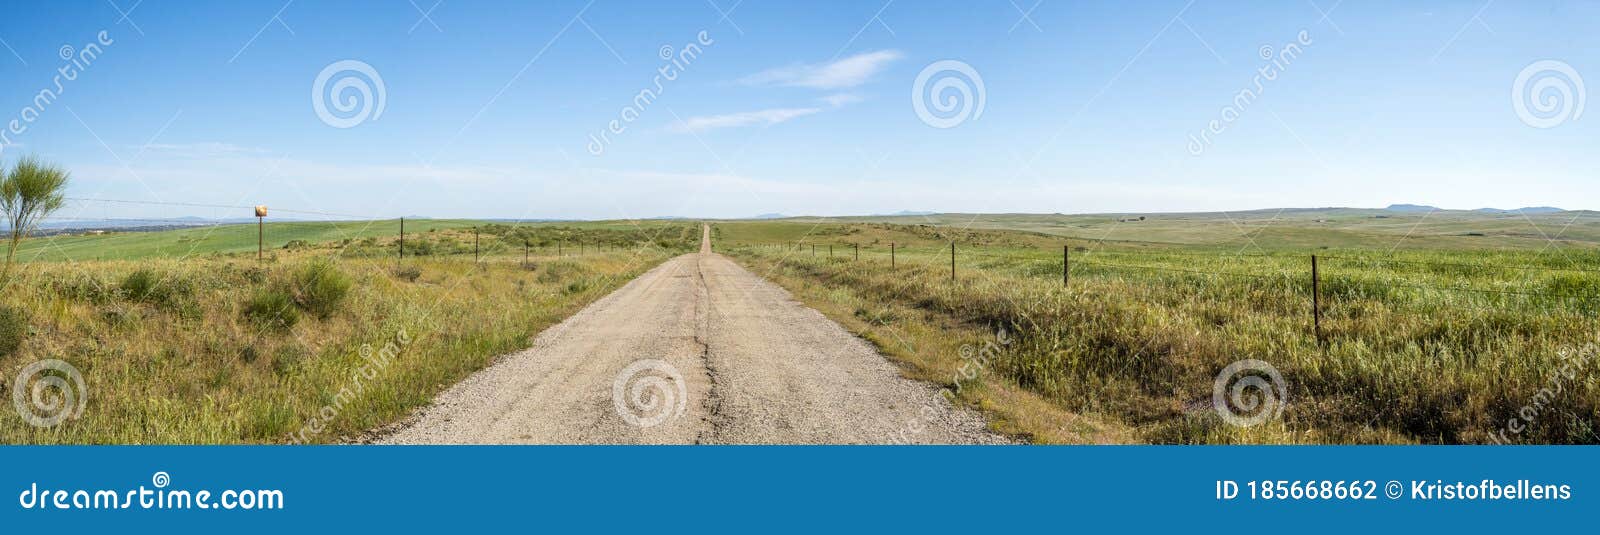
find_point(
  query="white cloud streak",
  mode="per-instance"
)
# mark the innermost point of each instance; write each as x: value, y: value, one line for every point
x: 840, y: 99
x: 762, y: 117
x: 845, y: 73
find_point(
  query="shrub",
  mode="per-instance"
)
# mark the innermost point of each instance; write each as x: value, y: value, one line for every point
x: 272, y: 308
x: 146, y: 285
x: 287, y: 358
x: 13, y: 328
x: 320, y: 287
x: 83, y: 287
x: 256, y: 274
x: 141, y: 285
x: 408, y: 273
x: 559, y: 271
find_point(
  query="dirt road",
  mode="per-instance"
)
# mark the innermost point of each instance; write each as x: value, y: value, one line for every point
x: 697, y: 350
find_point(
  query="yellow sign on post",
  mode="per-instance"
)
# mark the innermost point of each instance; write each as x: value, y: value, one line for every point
x: 261, y: 231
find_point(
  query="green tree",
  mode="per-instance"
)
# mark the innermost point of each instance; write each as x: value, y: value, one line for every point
x: 30, y: 191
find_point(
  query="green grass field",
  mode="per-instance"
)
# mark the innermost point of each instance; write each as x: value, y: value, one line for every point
x: 1425, y: 339
x: 1296, y: 229
x: 211, y: 346
x: 1436, y: 328
x: 241, y: 238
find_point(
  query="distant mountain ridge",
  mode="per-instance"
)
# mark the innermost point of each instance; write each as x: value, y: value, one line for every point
x: 1523, y: 210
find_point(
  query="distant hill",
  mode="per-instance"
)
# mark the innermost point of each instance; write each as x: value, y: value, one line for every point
x: 1427, y: 208
x: 770, y: 216
x: 1538, y: 210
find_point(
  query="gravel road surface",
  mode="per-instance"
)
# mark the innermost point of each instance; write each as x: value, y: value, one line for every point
x: 696, y: 351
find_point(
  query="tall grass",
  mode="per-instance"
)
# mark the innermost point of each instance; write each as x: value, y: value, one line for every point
x: 217, y: 350
x: 1415, y: 352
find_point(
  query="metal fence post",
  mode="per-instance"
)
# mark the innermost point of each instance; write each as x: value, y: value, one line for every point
x: 1316, y: 299
x: 402, y: 254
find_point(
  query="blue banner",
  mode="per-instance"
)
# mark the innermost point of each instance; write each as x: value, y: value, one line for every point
x: 240, y: 489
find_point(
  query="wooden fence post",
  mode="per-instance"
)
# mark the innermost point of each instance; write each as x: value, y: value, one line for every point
x: 402, y: 254
x: 1066, y: 265
x: 524, y: 252
x: 475, y: 255
x: 1316, y: 299
x: 952, y: 261
x: 858, y: 251
x: 891, y: 255
x: 830, y: 251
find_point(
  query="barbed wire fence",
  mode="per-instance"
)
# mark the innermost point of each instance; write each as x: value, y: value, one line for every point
x: 55, y: 227
x: 1313, y: 277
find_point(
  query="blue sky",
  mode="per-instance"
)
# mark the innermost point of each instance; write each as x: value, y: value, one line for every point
x: 488, y: 108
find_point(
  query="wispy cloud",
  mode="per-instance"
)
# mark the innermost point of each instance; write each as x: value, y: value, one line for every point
x: 730, y: 120
x: 840, y: 99
x: 209, y: 149
x: 848, y: 72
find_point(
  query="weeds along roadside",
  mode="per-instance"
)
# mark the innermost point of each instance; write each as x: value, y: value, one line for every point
x: 212, y: 356
x: 1141, y: 347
